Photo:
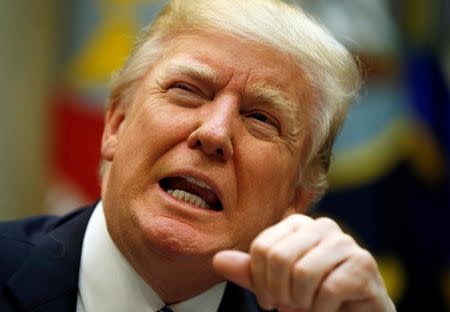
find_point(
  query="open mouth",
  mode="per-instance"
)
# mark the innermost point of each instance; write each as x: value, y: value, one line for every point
x: 192, y: 191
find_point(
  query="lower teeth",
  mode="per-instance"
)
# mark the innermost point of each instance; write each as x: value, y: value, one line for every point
x: 189, y: 198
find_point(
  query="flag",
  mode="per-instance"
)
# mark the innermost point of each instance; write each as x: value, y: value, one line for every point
x: 389, y: 175
x: 99, y: 36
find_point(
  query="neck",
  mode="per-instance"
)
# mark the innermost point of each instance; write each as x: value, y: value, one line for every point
x: 178, y: 283
x: 173, y: 277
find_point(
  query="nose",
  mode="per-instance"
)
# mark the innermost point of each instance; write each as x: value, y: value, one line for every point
x: 214, y: 135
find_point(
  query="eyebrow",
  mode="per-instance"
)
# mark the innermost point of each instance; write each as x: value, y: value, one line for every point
x: 263, y: 91
x: 191, y: 68
x: 273, y: 97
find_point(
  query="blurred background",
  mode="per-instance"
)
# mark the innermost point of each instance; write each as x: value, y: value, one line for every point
x: 389, y: 183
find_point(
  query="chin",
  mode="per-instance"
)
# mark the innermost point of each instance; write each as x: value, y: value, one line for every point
x: 170, y: 237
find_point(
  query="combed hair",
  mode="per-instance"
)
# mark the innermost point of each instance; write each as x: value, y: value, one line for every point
x: 333, y: 73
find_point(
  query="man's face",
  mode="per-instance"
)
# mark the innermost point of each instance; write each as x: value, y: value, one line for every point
x: 215, y: 117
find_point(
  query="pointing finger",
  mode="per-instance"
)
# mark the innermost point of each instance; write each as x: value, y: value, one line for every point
x: 260, y: 252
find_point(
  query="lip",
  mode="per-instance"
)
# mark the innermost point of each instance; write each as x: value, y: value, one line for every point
x: 199, y: 176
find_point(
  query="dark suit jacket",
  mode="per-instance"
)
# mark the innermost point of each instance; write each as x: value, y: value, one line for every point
x: 40, y: 260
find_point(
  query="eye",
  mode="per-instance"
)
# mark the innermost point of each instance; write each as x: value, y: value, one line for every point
x: 185, y: 94
x: 183, y: 86
x: 261, y: 121
x: 264, y: 118
x: 259, y: 116
x: 262, y: 124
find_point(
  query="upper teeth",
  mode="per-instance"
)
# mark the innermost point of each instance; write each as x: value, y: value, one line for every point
x: 198, y: 182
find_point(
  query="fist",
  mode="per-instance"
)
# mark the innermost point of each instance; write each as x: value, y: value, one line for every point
x: 302, y: 264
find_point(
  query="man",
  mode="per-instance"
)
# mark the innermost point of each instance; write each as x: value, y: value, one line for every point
x: 217, y: 138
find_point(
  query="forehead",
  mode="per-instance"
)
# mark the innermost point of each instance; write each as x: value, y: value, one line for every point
x: 232, y: 58
x: 240, y: 66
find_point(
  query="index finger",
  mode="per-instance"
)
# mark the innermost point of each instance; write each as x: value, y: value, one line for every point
x: 272, y: 234
x: 261, y: 246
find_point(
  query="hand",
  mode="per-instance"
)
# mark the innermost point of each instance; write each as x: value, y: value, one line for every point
x: 302, y: 264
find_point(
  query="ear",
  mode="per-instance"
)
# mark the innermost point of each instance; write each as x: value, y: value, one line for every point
x: 114, y: 118
x: 300, y: 203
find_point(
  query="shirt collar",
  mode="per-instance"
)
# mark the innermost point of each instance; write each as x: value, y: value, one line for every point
x: 107, y: 282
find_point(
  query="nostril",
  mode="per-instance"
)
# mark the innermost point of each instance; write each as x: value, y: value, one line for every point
x: 212, y: 145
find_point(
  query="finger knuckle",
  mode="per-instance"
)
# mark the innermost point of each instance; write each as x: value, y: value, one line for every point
x: 277, y: 257
x: 357, y: 284
x: 365, y: 260
x: 332, y: 287
x: 300, y: 271
x: 343, y: 240
x: 347, y: 239
x: 298, y: 218
x: 328, y: 223
x: 259, y: 248
x: 345, y: 285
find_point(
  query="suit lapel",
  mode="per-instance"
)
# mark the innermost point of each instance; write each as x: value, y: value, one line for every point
x: 48, y: 279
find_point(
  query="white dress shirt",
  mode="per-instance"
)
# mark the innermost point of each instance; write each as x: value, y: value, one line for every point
x: 107, y: 282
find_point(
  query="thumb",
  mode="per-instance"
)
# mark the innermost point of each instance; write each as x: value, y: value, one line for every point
x: 234, y: 266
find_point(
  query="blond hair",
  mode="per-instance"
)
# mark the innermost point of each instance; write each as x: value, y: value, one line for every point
x: 331, y: 70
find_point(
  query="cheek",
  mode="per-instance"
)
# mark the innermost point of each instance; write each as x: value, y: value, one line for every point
x: 249, y: 226
x: 154, y: 129
x: 164, y: 122
x: 268, y: 172
x: 266, y: 187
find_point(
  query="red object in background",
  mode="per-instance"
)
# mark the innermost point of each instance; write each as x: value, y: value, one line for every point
x: 76, y: 137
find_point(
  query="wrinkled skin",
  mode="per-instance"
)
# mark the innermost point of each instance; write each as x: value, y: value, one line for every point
x: 208, y: 122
